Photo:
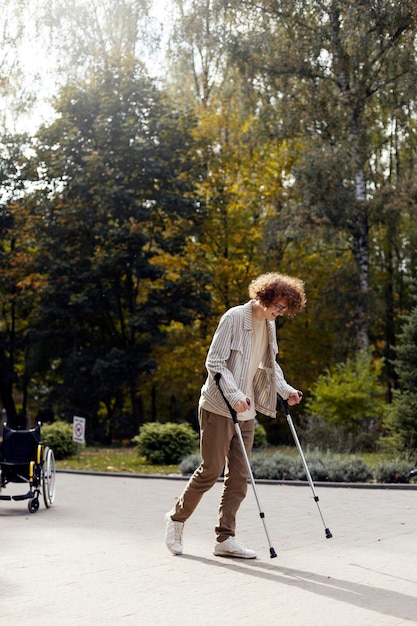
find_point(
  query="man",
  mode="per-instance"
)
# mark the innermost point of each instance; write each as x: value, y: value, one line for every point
x: 243, y: 351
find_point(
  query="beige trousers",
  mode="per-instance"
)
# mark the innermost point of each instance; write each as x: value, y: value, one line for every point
x: 220, y: 449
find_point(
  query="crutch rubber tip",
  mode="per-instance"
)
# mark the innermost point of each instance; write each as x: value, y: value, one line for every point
x: 272, y: 553
x: 328, y: 533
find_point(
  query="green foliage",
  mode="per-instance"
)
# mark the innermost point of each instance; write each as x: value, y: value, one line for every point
x: 142, y: 223
x: 58, y: 436
x: 276, y: 467
x: 401, y: 421
x: 108, y: 241
x: 322, y: 467
x: 165, y: 443
x: 351, y: 470
x: 395, y: 471
x: 259, y: 439
x: 348, y: 396
x: 317, y: 465
x: 265, y: 465
x: 317, y: 433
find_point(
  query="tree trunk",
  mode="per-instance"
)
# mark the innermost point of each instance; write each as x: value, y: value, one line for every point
x: 6, y: 391
x: 360, y: 232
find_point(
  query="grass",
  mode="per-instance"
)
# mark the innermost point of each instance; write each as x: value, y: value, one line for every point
x: 372, y: 459
x: 123, y: 459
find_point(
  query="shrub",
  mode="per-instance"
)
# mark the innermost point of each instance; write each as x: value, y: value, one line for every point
x: 265, y: 468
x: 189, y: 464
x: 318, y: 433
x: 395, y: 471
x: 58, y: 437
x: 349, y: 400
x: 165, y: 444
x: 317, y: 465
x: 328, y: 467
x: 276, y: 467
x: 260, y: 440
x: 348, y: 470
x: 322, y: 467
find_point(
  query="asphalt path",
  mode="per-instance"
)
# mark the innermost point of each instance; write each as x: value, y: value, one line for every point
x: 98, y: 556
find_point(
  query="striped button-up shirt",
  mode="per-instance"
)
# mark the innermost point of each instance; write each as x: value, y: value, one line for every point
x: 229, y: 355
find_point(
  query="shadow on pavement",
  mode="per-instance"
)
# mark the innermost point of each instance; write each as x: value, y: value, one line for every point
x: 377, y: 599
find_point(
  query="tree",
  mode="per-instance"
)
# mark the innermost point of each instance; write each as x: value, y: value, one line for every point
x: 13, y: 97
x: 402, y: 416
x: 199, y: 65
x: 114, y: 205
x: 335, y: 88
x: 85, y: 36
x: 16, y: 301
x: 243, y: 195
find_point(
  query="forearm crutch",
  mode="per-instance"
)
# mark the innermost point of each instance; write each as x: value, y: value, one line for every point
x: 233, y: 413
x: 307, y: 471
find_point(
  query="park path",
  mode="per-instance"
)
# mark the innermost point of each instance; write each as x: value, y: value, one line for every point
x: 98, y: 557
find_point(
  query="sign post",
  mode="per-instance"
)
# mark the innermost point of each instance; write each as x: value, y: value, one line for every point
x: 78, y: 432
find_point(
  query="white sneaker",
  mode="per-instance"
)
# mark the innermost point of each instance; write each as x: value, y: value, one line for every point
x: 230, y: 547
x: 173, y: 535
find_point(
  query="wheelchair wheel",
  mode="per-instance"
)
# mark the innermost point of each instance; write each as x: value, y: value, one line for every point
x: 48, y: 478
x: 33, y: 505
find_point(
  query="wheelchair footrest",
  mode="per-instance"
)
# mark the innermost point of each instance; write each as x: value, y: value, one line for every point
x: 25, y: 496
x: 5, y: 497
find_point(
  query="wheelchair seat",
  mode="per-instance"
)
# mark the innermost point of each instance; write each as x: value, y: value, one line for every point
x: 25, y: 459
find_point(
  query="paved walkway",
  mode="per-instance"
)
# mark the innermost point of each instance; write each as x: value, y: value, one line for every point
x: 98, y: 557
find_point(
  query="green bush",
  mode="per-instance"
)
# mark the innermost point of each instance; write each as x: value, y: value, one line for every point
x: 317, y: 433
x: 58, y: 437
x: 189, y: 464
x: 352, y: 470
x: 165, y: 444
x: 322, y: 468
x: 264, y: 467
x: 317, y: 465
x: 395, y: 471
x: 276, y: 467
x: 328, y: 467
x: 259, y: 440
x: 346, y: 406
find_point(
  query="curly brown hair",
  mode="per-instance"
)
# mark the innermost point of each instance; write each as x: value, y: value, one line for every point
x: 268, y: 287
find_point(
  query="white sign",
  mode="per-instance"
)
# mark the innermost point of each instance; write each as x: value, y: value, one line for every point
x: 78, y: 429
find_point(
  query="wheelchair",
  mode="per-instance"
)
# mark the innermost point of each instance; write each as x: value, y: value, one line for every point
x: 25, y: 459
x: 412, y: 476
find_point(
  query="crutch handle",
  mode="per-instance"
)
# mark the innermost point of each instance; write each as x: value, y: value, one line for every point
x: 284, y: 404
x: 229, y: 406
